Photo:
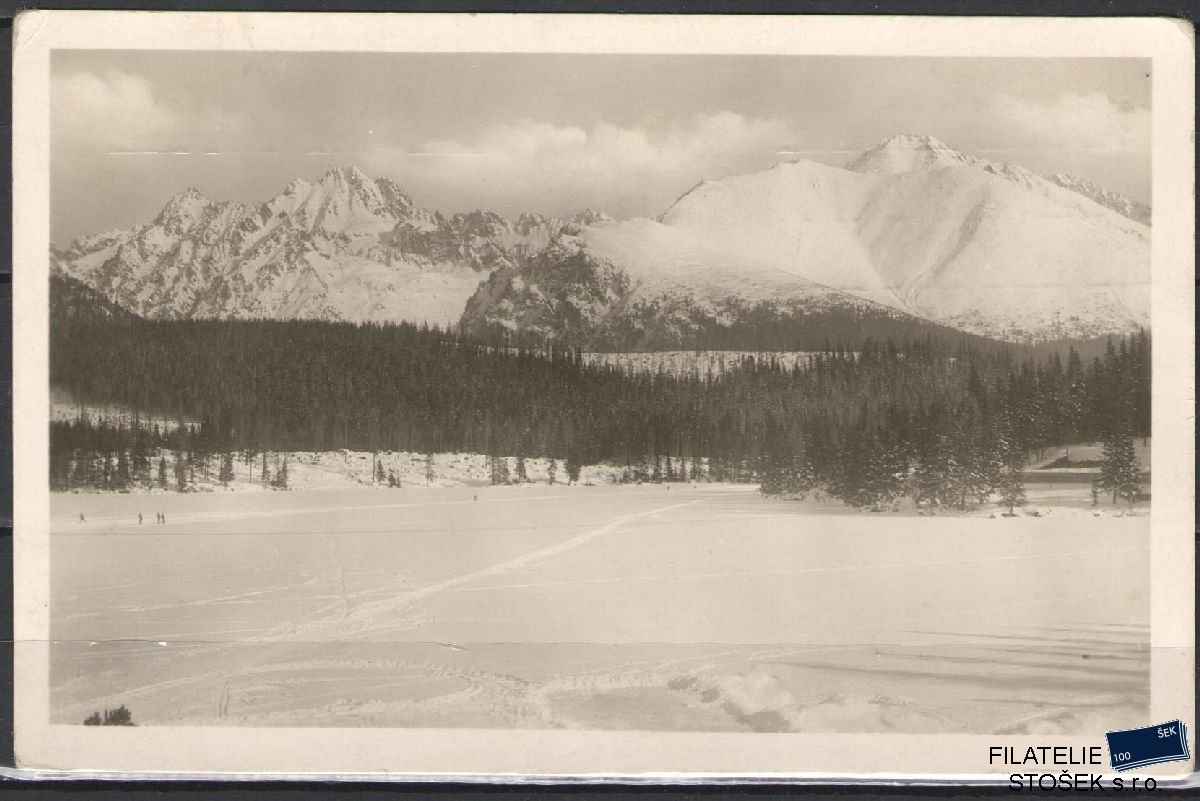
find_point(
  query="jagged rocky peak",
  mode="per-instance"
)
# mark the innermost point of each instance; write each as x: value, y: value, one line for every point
x: 528, y: 222
x: 349, y: 182
x: 341, y: 245
x: 350, y: 178
x: 909, y: 153
x: 481, y: 222
x: 183, y: 210
x: 344, y: 198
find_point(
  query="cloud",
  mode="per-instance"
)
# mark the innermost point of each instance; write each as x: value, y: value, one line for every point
x: 114, y: 111
x: 1075, y: 121
x: 536, y: 165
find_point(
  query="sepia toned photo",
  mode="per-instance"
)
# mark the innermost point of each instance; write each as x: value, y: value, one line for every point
x: 517, y: 390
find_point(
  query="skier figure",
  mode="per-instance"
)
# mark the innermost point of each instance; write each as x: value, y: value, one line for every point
x: 81, y: 518
x: 139, y: 518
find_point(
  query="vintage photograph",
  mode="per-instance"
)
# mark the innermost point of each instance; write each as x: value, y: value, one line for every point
x: 632, y: 392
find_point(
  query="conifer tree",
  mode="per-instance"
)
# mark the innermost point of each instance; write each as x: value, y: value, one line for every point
x: 499, y: 470
x: 121, y: 478
x: 106, y: 475
x: 181, y: 472
x: 552, y: 470
x: 1011, y: 487
x: 1120, y: 473
x: 226, y: 473
x: 281, y: 475
x: 139, y: 457
x: 887, y: 471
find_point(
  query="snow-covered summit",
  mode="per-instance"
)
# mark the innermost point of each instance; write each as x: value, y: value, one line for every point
x: 917, y: 153
x: 909, y: 153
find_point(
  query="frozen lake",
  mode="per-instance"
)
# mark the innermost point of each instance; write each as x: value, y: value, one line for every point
x: 637, y: 607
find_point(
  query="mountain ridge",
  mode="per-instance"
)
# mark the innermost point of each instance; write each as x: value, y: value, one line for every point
x: 345, y: 247
x: 916, y: 227
x: 911, y: 226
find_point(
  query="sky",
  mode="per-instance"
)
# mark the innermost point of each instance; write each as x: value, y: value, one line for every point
x: 553, y: 134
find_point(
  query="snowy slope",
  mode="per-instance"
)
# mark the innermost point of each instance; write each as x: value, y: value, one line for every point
x: 662, y: 259
x: 910, y: 153
x: 798, y: 217
x: 998, y: 258
x: 988, y: 248
x: 913, y: 153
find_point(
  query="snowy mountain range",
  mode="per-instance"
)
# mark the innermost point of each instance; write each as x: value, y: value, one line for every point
x: 911, y: 227
x: 344, y: 248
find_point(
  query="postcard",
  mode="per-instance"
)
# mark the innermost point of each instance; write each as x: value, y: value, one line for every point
x: 560, y: 397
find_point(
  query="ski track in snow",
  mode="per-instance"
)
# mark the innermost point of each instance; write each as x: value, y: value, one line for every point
x: 367, y: 618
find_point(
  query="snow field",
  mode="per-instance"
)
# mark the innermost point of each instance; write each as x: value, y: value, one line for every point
x: 704, y: 608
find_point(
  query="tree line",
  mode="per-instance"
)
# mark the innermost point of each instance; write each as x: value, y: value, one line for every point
x: 939, y: 420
